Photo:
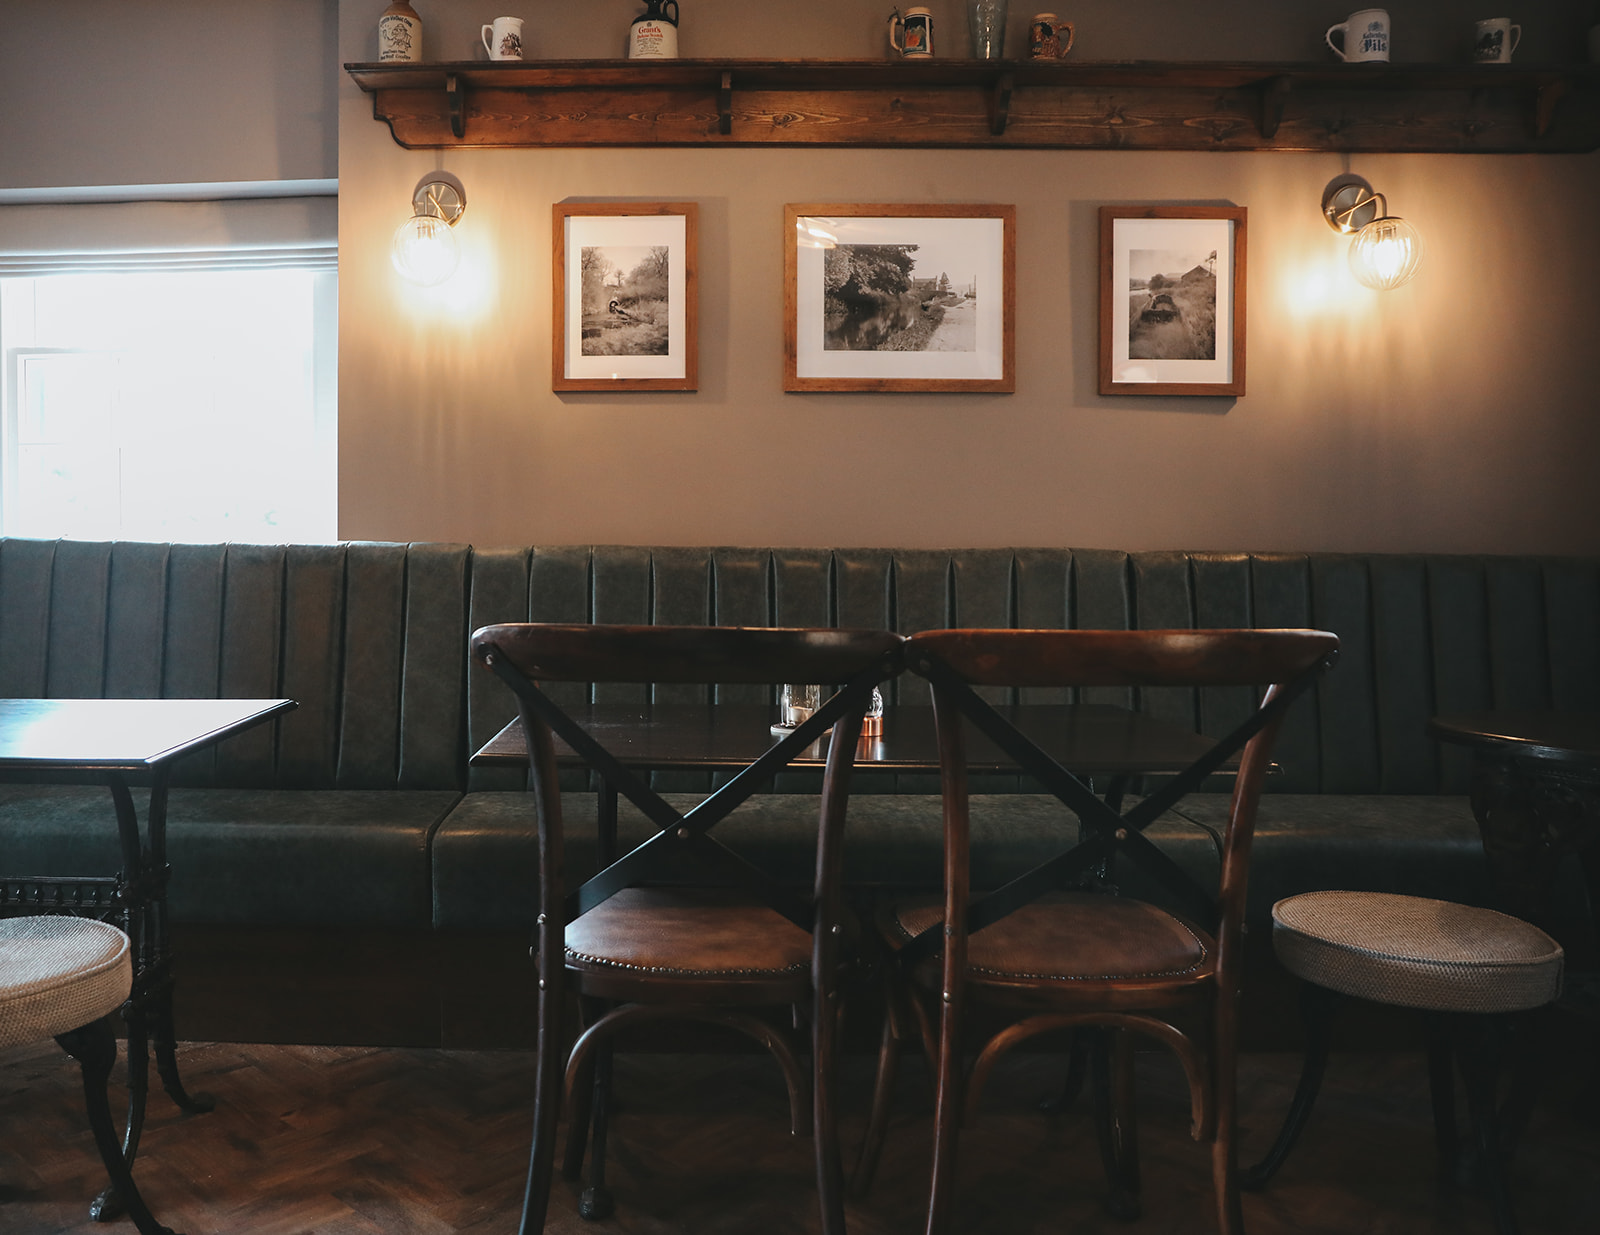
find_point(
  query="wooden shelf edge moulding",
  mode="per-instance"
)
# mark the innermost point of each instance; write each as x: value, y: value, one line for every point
x: 995, y: 104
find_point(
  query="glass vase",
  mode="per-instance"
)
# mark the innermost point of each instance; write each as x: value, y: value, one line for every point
x: 987, y: 21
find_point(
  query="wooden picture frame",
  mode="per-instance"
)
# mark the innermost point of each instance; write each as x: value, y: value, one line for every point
x: 939, y: 274
x: 1172, y: 300
x: 611, y: 328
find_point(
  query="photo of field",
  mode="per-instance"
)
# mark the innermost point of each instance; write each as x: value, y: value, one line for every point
x: 624, y: 300
x: 1172, y: 305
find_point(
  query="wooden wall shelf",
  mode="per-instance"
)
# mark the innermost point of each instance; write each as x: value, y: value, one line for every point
x: 1024, y: 104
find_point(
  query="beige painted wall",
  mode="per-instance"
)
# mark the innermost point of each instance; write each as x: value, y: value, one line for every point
x: 1457, y: 414
x: 142, y: 92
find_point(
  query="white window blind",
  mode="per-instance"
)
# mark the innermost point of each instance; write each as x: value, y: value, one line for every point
x: 169, y: 370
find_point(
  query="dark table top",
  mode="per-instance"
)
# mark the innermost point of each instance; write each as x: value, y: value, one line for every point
x: 1091, y: 739
x: 120, y: 734
x: 1568, y: 737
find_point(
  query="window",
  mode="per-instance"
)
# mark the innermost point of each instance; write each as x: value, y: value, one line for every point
x: 187, y: 406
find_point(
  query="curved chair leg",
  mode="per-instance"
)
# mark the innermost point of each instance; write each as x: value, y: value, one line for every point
x: 596, y: 1202
x: 824, y: 1115
x: 547, y: 1086
x: 1225, y: 1114
x: 882, y: 1091
x: 94, y: 1046
x: 1077, y: 1073
x: 949, y: 1098
x: 1115, y: 1121
x: 1318, y: 1008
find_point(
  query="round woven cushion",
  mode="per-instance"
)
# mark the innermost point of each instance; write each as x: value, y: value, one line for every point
x: 1416, y: 953
x: 57, y: 974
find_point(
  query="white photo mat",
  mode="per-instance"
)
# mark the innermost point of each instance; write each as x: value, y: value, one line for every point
x: 588, y: 231
x: 965, y: 248
x: 1175, y: 236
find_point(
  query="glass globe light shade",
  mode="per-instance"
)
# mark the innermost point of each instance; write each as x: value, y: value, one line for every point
x: 1386, y: 253
x: 425, y: 250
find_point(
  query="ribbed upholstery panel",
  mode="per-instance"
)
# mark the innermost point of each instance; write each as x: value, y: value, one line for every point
x: 681, y: 591
x: 1460, y: 619
x: 980, y: 595
x: 1102, y: 600
x: 1280, y: 598
x: 1341, y: 601
x: 1520, y: 676
x: 374, y: 652
x: 681, y: 587
x: 803, y: 595
x: 313, y: 645
x: 1572, y: 617
x: 136, y: 620
x: 191, y: 666
x: 560, y: 589
x: 1222, y: 599
x: 79, y: 596
x: 802, y: 587
x: 25, y: 567
x: 1163, y: 600
x: 370, y: 638
x: 622, y: 597
x: 499, y: 594
x: 741, y: 593
x: 252, y: 648
x: 1044, y: 602
x: 433, y: 704
x: 1404, y: 675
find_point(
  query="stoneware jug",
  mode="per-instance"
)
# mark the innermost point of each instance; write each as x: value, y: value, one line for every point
x: 654, y: 35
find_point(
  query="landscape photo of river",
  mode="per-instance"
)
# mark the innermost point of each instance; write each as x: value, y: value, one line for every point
x: 898, y: 298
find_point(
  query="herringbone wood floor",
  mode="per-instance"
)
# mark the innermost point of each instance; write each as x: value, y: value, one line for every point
x: 356, y: 1141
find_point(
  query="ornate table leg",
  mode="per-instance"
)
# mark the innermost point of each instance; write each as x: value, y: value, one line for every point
x: 1536, y: 817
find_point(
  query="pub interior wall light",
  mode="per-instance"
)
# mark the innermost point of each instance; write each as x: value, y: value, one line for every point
x: 1386, y: 250
x: 425, y: 249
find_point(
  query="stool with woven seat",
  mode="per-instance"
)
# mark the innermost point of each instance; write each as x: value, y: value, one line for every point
x: 1470, y: 971
x: 64, y: 978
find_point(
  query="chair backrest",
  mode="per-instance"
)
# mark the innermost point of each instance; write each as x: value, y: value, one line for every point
x: 959, y: 662
x: 524, y: 655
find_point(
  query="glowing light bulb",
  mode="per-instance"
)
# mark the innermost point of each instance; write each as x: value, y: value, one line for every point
x: 425, y: 250
x: 1386, y: 253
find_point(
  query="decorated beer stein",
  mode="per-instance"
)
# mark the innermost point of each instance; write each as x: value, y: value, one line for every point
x: 912, y: 35
x: 1048, y: 37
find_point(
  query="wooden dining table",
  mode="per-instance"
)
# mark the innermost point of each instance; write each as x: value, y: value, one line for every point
x: 1104, y: 744
x: 124, y: 744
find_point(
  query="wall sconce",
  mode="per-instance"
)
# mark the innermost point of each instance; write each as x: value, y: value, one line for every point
x: 1386, y: 250
x: 425, y: 250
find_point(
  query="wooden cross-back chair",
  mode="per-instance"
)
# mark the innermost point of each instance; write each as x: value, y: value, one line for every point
x: 639, y: 941
x: 1050, y: 958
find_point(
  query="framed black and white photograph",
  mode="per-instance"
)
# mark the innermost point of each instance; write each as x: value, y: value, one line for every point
x: 626, y: 296
x: 900, y: 298
x: 1172, y: 282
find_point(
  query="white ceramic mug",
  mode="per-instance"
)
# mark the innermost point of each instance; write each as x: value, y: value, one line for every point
x: 1364, y: 35
x: 1494, y: 39
x: 503, y: 40
x: 912, y: 35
